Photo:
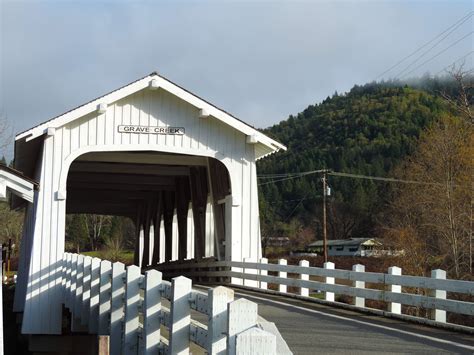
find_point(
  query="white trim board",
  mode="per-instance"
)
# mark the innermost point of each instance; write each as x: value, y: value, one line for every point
x: 154, y: 81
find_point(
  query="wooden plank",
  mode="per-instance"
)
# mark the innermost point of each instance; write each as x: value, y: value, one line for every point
x: 218, y: 299
x: 132, y: 300
x: 282, y: 274
x: 79, y: 287
x: 393, y: 306
x: 86, y: 292
x: 117, y: 307
x: 359, y: 301
x: 255, y: 341
x: 94, y: 296
x: 304, y: 291
x: 157, y: 222
x: 151, y: 312
x: 180, y: 315
x: 242, y: 315
x: 105, y: 297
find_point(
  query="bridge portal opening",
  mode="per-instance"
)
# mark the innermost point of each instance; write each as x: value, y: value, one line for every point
x: 177, y: 202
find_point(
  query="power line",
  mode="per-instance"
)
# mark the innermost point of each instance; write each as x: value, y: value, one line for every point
x: 438, y: 54
x: 463, y: 19
x: 378, y: 178
x: 431, y: 48
x: 457, y: 60
x: 292, y: 176
x: 349, y: 175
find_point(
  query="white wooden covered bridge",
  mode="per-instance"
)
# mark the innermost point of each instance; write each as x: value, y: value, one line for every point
x: 185, y: 172
x: 181, y: 168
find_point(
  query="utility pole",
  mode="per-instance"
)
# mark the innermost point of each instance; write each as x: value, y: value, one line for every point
x: 325, y: 237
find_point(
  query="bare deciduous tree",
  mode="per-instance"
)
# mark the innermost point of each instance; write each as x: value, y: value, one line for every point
x: 438, y: 210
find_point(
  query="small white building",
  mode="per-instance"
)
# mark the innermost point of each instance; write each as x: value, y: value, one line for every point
x: 181, y: 168
x: 348, y: 247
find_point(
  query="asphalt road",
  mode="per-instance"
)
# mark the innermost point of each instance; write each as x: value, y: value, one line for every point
x: 311, y: 328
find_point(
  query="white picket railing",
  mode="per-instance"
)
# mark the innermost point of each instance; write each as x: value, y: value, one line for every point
x: 389, y: 290
x: 112, y: 300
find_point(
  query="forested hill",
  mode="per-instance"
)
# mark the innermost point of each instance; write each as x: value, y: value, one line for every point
x: 366, y: 131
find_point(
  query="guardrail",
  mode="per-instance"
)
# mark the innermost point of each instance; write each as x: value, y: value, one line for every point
x: 112, y: 300
x: 390, y: 288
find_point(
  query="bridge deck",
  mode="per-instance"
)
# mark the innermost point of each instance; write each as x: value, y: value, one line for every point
x: 310, y: 328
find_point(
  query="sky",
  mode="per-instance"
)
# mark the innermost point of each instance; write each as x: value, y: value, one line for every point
x: 260, y: 60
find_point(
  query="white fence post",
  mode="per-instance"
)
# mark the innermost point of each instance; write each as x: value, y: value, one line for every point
x: 105, y: 295
x: 72, y: 288
x: 250, y: 283
x: 67, y: 286
x: 94, y: 296
x: 218, y: 298
x: 359, y: 301
x: 64, y: 276
x: 241, y: 315
x: 255, y: 341
x: 283, y: 274
x: 132, y: 298
x: 116, y: 312
x: 305, y: 277
x: 263, y: 284
x: 437, y: 314
x: 393, y: 306
x: 151, y: 312
x: 86, y: 291
x: 180, y: 315
x: 77, y: 299
x: 329, y: 280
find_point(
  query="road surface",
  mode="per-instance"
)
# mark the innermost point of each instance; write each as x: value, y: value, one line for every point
x: 311, y: 328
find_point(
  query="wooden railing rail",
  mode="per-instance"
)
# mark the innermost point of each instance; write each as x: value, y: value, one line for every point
x: 109, y: 299
x: 388, y: 289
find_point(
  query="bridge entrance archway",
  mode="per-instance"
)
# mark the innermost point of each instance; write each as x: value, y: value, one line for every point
x: 177, y: 202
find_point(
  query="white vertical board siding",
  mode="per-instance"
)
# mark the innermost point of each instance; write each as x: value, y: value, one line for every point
x: 43, y: 310
x: 96, y: 132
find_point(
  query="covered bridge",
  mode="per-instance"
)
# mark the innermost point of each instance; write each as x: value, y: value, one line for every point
x: 181, y: 168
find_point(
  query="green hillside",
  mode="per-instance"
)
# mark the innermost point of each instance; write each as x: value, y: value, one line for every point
x: 366, y: 131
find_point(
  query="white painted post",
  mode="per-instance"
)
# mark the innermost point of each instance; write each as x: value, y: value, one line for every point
x: 359, y: 301
x: 86, y: 291
x: 180, y: 315
x: 64, y: 276
x: 72, y: 288
x: 132, y: 298
x: 105, y: 295
x: 117, y: 303
x: 393, y: 306
x: 218, y: 298
x: 67, y: 286
x: 263, y: 284
x: 151, y: 312
x: 437, y: 314
x: 329, y: 280
x: 255, y: 341
x: 94, y: 298
x: 242, y: 314
x: 304, y: 291
x: 283, y: 274
x: 250, y: 283
x: 79, y: 287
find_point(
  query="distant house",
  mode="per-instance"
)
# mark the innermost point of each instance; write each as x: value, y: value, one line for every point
x: 349, y: 247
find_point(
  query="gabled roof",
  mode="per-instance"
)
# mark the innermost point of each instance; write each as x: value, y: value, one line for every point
x: 268, y: 145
